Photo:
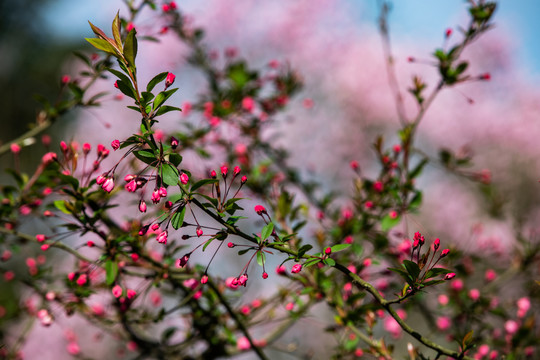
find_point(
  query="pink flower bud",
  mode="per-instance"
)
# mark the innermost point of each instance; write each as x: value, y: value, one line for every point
x: 230, y: 245
x: 486, y: 77
x: 115, y: 144
x: 165, y: 8
x: 174, y: 142
x: 448, y: 33
x: 155, y: 196
x: 449, y: 276
x: 144, y: 230
x: 224, y: 170
x: 281, y: 270
x: 244, y: 179
x: 130, y: 26
x: 259, y: 209
x: 117, y: 291
x: 199, y: 231
x: 182, y: 261
x: 108, y: 185
x: 242, y: 280
x: 169, y: 80
x: 248, y: 104
x: 443, y: 323
x: 82, y: 280
x: 15, y: 148
x: 236, y: 170
x: 511, y: 327
x: 213, y: 174
x: 162, y: 192
x: 131, y: 186
x: 354, y: 165
x: 444, y: 253
x: 436, y: 244
x: 142, y: 206
x: 154, y: 226
x: 130, y: 293
x: 204, y: 279
x: 296, y: 268
x: 162, y: 237
x: 328, y: 250
x: 378, y: 186
x: 184, y: 178
x: 48, y: 158
x: 265, y: 275
x: 41, y: 237
x: 66, y: 79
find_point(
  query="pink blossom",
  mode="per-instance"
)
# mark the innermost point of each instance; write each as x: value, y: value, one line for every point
x: 131, y: 186
x: 378, y: 186
x: 289, y: 306
x: 162, y: 192
x: 204, y: 279
x: 231, y: 283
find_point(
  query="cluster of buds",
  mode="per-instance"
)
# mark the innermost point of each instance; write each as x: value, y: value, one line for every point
x: 107, y: 183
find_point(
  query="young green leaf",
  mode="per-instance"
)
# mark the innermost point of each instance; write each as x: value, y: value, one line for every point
x: 103, y: 45
x: 130, y: 49
x: 116, y: 30
x: 111, y: 270
x: 169, y: 174
x: 178, y: 218
x: 267, y: 231
x: 156, y: 80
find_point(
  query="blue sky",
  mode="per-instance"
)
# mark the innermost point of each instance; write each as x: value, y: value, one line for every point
x: 410, y: 19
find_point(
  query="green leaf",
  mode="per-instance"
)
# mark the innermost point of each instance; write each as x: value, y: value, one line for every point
x: 418, y: 169
x: 146, y: 156
x: 261, y: 258
x: 162, y: 97
x: 116, y: 30
x: 416, y: 200
x: 111, y: 270
x: 99, y: 33
x: 203, y: 182
x: 130, y: 48
x: 208, y: 243
x: 61, y: 205
x: 388, y: 222
x: 242, y: 252
x: 178, y: 218
x: 329, y: 262
x: 68, y: 179
x: 175, y: 159
x: 156, y: 80
x: 169, y: 174
x: 304, y: 249
x: 311, y: 262
x: 267, y: 231
x: 103, y: 45
x: 165, y: 109
x: 339, y: 247
x: 437, y: 271
x: 412, y: 268
x: 127, y: 89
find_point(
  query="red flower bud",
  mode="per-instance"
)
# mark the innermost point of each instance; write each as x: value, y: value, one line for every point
x: 259, y: 209
x: 169, y: 80
x: 449, y: 276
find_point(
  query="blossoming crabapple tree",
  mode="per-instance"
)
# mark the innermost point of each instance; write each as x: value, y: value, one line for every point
x: 353, y: 262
